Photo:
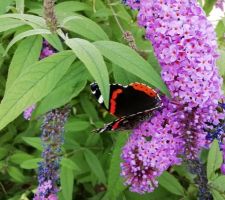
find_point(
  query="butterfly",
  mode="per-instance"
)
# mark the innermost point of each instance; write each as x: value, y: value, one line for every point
x: 131, y: 104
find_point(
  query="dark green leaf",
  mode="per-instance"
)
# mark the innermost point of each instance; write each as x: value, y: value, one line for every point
x: 208, y: 6
x: 34, y: 142
x: 115, y: 181
x: 16, y: 174
x: 18, y: 158
x: 95, y: 165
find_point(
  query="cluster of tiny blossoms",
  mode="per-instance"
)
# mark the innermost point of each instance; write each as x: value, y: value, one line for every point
x: 46, y: 51
x: 52, y: 140
x: 220, y: 4
x: 185, y: 44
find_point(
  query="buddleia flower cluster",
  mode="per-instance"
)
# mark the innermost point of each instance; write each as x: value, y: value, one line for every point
x: 52, y: 140
x: 184, y: 43
x: 46, y: 51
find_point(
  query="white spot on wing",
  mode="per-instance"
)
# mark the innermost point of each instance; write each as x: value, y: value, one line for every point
x: 100, y: 99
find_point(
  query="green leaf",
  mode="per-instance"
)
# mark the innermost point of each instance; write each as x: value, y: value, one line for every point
x: 3, y: 152
x: 94, y: 62
x: 55, y: 41
x: 33, y: 84
x: 68, y: 163
x: 26, y: 34
x: 71, y: 6
x: 220, y: 62
x: 71, y: 84
x: 34, y: 142
x: 4, y: 6
x: 214, y: 160
x: 67, y: 179
x: 17, y: 158
x: 16, y: 174
x: 20, y: 6
x: 75, y: 125
x: 31, y: 164
x: 208, y: 6
x: 10, y: 23
x: 219, y: 183
x: 32, y: 20
x: 95, y: 165
x: 115, y: 182
x: 87, y: 27
x: 26, y: 54
x: 217, y: 195
x: 170, y: 183
x: 131, y: 61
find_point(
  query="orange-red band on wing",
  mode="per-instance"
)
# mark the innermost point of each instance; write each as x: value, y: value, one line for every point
x: 144, y: 88
x: 113, y: 100
x: 116, y: 125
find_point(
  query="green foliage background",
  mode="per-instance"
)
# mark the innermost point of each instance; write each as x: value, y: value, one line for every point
x: 91, y: 48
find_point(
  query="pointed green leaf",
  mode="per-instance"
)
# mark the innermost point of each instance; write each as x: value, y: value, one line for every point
x: 115, y: 181
x: 87, y: 27
x: 26, y: 54
x: 26, y: 34
x: 214, y: 159
x: 68, y: 163
x: 67, y: 179
x: 16, y: 174
x: 170, y: 183
x: 34, y: 142
x: 95, y: 165
x: 219, y: 183
x: 33, y: 84
x: 131, y: 61
x: 31, y: 163
x: 10, y: 23
x: 94, y: 62
x: 71, y: 6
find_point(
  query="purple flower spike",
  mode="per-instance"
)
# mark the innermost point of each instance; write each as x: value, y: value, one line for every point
x: 185, y: 45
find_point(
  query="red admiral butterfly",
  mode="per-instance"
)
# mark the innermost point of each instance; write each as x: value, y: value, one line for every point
x: 131, y: 104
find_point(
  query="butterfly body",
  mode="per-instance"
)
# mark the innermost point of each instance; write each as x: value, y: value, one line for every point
x: 131, y: 104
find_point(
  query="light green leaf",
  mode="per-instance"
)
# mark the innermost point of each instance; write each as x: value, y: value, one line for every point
x: 29, y: 19
x: 67, y: 179
x: 4, y: 5
x: 55, y: 41
x: 70, y: 86
x: 115, y: 181
x: 10, y: 23
x: 16, y: 174
x: 26, y: 34
x: 95, y: 165
x: 26, y: 54
x: 131, y: 61
x: 71, y: 6
x: 68, y: 163
x: 94, y: 62
x: 217, y: 195
x: 85, y: 27
x: 170, y: 183
x: 219, y: 183
x: 221, y: 62
x: 34, y: 142
x: 33, y: 84
x: 20, y: 6
x: 31, y: 164
x: 214, y: 159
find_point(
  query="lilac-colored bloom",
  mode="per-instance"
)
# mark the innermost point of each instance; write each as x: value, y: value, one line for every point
x: 28, y: 112
x: 185, y: 44
x: 220, y: 4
